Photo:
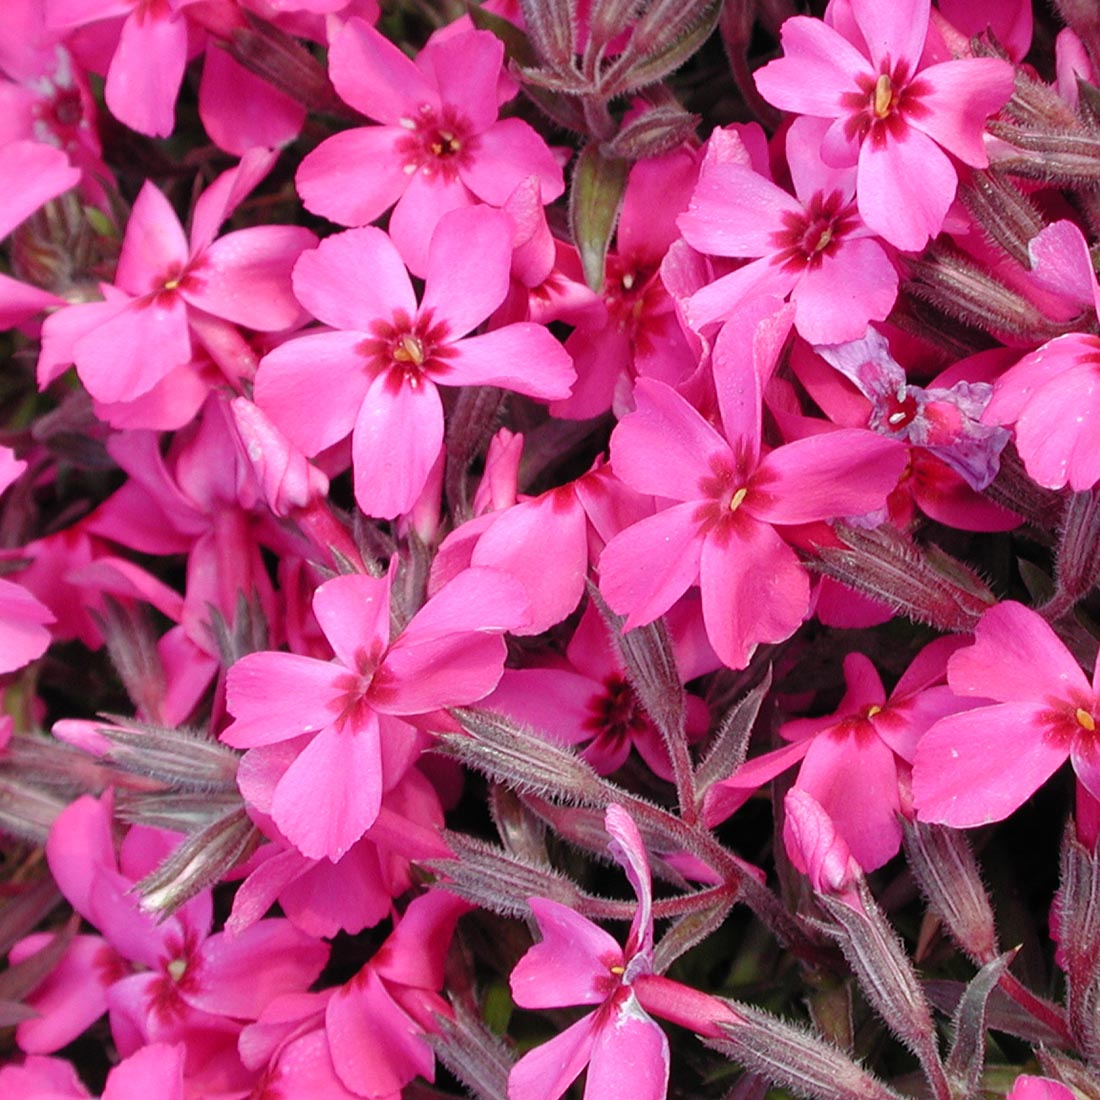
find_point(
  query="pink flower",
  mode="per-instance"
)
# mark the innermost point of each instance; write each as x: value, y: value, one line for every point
x: 167, y: 283
x: 981, y: 765
x: 440, y: 147
x: 854, y: 762
x: 376, y: 374
x: 577, y: 962
x: 893, y: 119
x: 170, y: 981
x: 730, y: 496
x: 814, y: 248
x: 450, y: 653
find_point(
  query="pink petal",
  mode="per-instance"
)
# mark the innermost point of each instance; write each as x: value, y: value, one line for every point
x: 893, y: 32
x: 852, y: 286
x: 323, y: 286
x: 19, y: 302
x: 469, y: 260
x: 466, y: 68
x: 289, y: 388
x: 375, y: 1046
x: 630, y: 1057
x: 245, y: 277
x: 645, y: 569
x: 353, y: 612
x: 448, y: 671
x: 665, y: 447
x: 978, y: 767
x: 754, y: 590
x: 544, y: 545
x: 735, y: 211
x: 154, y: 1070
x: 23, y: 626
x: 277, y: 696
x: 505, y: 155
x: 523, y: 357
x: 745, y: 355
x: 331, y: 793
x: 554, y: 702
x: 547, y: 1071
x: 154, y: 244
x: 1016, y: 658
x: 570, y: 965
x: 486, y: 601
x: 130, y: 352
x: 374, y: 76
x: 963, y: 95
x: 425, y: 200
x: 905, y: 188
x: 818, y: 67
x: 855, y: 780
x: 70, y: 998
x: 717, y: 300
x: 396, y: 440
x: 1056, y: 432
x: 354, y: 176
x: 146, y: 72
x: 240, y: 974
x: 1060, y: 262
x: 848, y: 472
x: 240, y: 110
x: 33, y: 174
x: 628, y: 850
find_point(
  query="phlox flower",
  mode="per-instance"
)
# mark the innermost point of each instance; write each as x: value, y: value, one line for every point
x: 171, y: 981
x: 730, y: 496
x: 577, y: 962
x: 855, y: 761
x: 896, y: 121
x: 640, y: 333
x: 376, y: 374
x: 440, y: 145
x: 1052, y: 396
x: 451, y: 653
x: 982, y: 764
x: 166, y: 283
x: 813, y: 247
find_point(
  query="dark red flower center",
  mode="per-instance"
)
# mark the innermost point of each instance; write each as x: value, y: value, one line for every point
x: 615, y: 715
x: 814, y: 232
x: 884, y: 103
x: 438, y: 142
x: 407, y: 350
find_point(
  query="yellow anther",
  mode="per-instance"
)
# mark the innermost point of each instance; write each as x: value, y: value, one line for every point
x: 825, y: 239
x: 884, y: 96
x: 1085, y: 720
x: 409, y: 350
x: 171, y: 284
x: 737, y: 499
x: 176, y: 969
x: 618, y: 971
x: 873, y: 709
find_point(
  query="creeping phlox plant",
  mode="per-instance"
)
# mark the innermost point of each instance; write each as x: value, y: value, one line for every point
x: 550, y: 548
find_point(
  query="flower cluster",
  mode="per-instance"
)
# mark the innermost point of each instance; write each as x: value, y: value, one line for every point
x: 443, y: 449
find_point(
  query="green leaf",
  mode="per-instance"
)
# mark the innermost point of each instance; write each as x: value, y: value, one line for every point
x: 595, y: 198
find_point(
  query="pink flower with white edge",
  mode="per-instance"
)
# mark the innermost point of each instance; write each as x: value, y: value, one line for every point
x: 577, y: 962
x: 451, y: 653
x: 979, y: 766
x: 896, y: 121
x: 441, y: 145
x: 376, y: 373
